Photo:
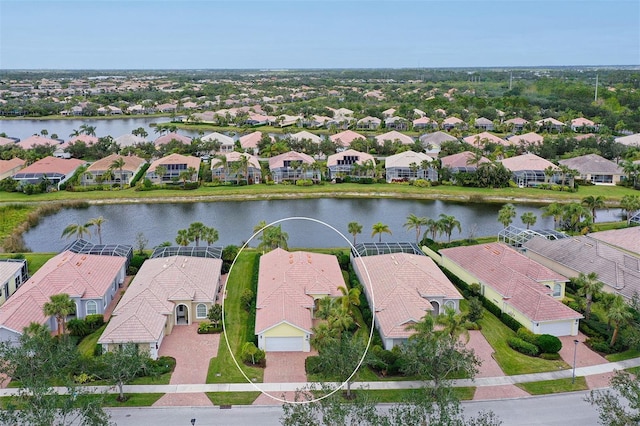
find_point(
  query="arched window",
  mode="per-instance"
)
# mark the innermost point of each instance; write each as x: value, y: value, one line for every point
x: 557, y: 290
x: 201, y: 310
x: 92, y: 307
x: 450, y: 304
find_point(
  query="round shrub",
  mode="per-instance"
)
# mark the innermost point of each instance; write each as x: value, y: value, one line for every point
x: 549, y: 344
x: 522, y: 346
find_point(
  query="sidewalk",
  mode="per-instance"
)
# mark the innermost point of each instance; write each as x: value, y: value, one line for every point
x: 279, y: 388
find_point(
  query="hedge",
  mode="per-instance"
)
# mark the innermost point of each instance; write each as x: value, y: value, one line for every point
x: 140, y: 174
x: 523, y: 347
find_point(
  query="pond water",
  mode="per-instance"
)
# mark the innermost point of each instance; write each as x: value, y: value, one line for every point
x: 235, y: 220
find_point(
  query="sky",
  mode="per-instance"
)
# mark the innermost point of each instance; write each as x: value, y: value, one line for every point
x: 240, y: 34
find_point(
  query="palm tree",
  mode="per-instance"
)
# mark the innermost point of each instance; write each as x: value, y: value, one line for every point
x: 433, y: 226
x: 573, y: 214
x: 182, y: 239
x: 60, y: 306
x: 118, y: 163
x: 415, y: 222
x: 529, y: 219
x: 631, y: 170
x: 196, y: 231
x: 349, y: 298
x: 589, y: 286
x: 76, y: 229
x: 554, y: 210
x: 630, y: 204
x: 380, y: 228
x: 210, y: 235
x: 161, y: 171
x: 98, y: 222
x: 88, y: 130
x: 354, y: 229
x: 593, y: 203
x: 453, y: 323
x: 448, y: 224
x: 618, y: 314
x: 506, y: 214
x: 225, y: 165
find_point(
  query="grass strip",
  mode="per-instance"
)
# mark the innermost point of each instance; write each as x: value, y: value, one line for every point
x: 554, y: 386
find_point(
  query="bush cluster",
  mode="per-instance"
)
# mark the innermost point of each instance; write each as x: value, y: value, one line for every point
x: 209, y: 328
x: 83, y: 327
x: 522, y: 346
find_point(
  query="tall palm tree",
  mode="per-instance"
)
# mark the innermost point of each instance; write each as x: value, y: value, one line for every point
x: 433, y: 227
x: 196, y: 232
x: 118, y: 163
x: 161, y: 171
x: 182, y: 239
x: 573, y: 214
x: 593, y: 203
x: 210, y: 235
x: 630, y: 204
x: 76, y: 229
x: 554, y: 210
x: 60, y: 306
x: 448, y: 224
x: 225, y: 165
x: 378, y: 229
x: 589, y: 286
x: 98, y: 222
x: 529, y: 219
x: 453, y: 323
x: 350, y: 297
x: 354, y: 229
x: 506, y: 214
x: 618, y: 314
x: 415, y: 222
x: 88, y: 130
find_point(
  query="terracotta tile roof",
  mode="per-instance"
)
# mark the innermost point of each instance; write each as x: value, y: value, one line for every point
x: 345, y: 138
x: 12, y: 164
x: 516, y: 121
x: 581, y: 121
x: 402, y: 285
x: 53, y: 165
x: 626, y: 239
x: 6, y: 141
x: 250, y: 141
x: 234, y: 156
x: 592, y: 163
x: 527, y: 162
x: 436, y: 138
x: 404, y: 159
x: 485, y: 137
x: 215, y: 136
x: 423, y: 120
x: 332, y: 160
x: 36, y: 140
x: 531, y: 138
x: 549, y: 120
x: 393, y: 136
x: 131, y: 163
x: 630, y: 140
x: 277, y: 162
x: 461, y: 159
x: 515, y: 277
x: 369, y: 119
x: 305, y: 135
x: 286, y: 282
x: 87, y: 139
x: 452, y: 120
x: 86, y: 276
x: 482, y: 121
x: 176, y: 159
x: 165, y: 139
x: 129, y: 140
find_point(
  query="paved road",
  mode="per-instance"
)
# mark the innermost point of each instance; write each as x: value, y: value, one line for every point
x: 568, y: 409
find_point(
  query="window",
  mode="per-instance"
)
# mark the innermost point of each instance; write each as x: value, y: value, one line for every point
x: 201, y: 310
x: 92, y: 307
x: 450, y: 304
x: 557, y: 290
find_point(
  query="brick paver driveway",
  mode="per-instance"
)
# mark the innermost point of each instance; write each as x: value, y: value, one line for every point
x: 286, y: 367
x: 584, y: 355
x: 192, y: 352
x: 484, y: 351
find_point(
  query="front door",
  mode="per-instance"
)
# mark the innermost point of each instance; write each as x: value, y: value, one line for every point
x: 182, y: 314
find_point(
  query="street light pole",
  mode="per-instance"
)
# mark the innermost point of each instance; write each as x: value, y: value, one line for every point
x: 575, y: 351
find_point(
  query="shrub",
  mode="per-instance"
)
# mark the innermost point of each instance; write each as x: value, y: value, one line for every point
x: 522, y: 346
x: 550, y: 357
x: 304, y: 182
x: 528, y: 336
x: 509, y: 321
x: 246, y: 299
x: 94, y: 321
x: 476, y: 310
x: 137, y: 260
x: 162, y: 365
x: 208, y: 328
x: 311, y: 365
x: 421, y: 183
x: 97, y: 350
x: 252, y: 355
x: 78, y: 327
x: 471, y: 325
x: 549, y: 344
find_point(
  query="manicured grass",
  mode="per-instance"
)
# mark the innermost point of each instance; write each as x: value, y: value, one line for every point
x: 87, y: 345
x: 134, y: 400
x: 510, y: 361
x: 631, y: 353
x: 401, y: 395
x: 554, y: 386
x: 634, y: 370
x: 34, y: 260
x: 233, y: 398
x: 222, y: 369
x: 11, y: 216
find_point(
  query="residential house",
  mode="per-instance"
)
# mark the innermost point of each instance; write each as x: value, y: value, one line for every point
x: 388, y: 112
x: 342, y: 164
x: 625, y: 239
x: 35, y: 140
x: 630, y: 140
x: 483, y: 124
x: 595, y: 169
x: 55, y: 170
x: 103, y: 172
x: 424, y: 123
x: 516, y: 124
x: 168, y: 291
x: 522, y: 288
x: 550, y: 124
x: 582, y: 124
x: 7, y: 141
x: 368, y: 123
x: 129, y: 140
x: 169, y: 137
x: 249, y: 142
x: 463, y: 162
x: 529, y: 169
x: 10, y: 167
x: 90, y: 280
x: 396, y: 123
x: 172, y: 166
x: 410, y: 165
x: 13, y: 272
x: 394, y: 136
x: 527, y: 139
x: 432, y: 142
x: 227, y: 143
x: 450, y: 123
x: 229, y: 170
x: 343, y: 139
x: 289, y: 287
x: 285, y: 120
x: 618, y: 270
x: 484, y: 138
x: 403, y: 288
x: 292, y: 166
x: 304, y: 135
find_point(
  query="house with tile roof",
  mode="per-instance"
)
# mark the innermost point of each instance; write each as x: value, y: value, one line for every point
x: 582, y: 124
x: 424, y: 123
x: 396, y: 123
x: 462, y: 162
x: 7, y: 141
x: 595, y: 169
x: 368, y: 123
x: 617, y: 269
x: 550, y: 124
x: 526, y: 290
x: 36, y: 140
x: 166, y: 292
x: 526, y: 139
x: 13, y: 272
x: 516, y: 124
x: 410, y: 165
x: 403, y: 288
x: 342, y: 163
x: 90, y: 280
x: 56, y: 170
x: 229, y: 171
x: 174, y: 165
x: 10, y: 167
x: 483, y: 124
x: 626, y: 239
x: 289, y: 286
x: 291, y: 166
x: 249, y: 142
x: 101, y: 169
x: 343, y: 139
x: 453, y: 122
x: 227, y: 143
x: 629, y: 140
x: 165, y: 139
x: 432, y: 142
x: 529, y: 169
x: 304, y: 135
x: 394, y: 136
x: 129, y: 140
x: 482, y: 139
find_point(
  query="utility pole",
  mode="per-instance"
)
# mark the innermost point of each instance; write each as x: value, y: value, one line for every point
x: 510, y: 79
x: 596, y: 97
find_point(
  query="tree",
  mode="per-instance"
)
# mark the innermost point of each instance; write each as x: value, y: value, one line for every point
x: 76, y: 229
x: 340, y: 357
x: 88, y: 130
x: 354, y: 229
x: 620, y: 405
x: 210, y: 235
x: 589, y: 287
x: 271, y: 237
x: 196, y: 231
x: 122, y: 365
x: 476, y: 310
x: 119, y: 164
x: 59, y: 306
x: 215, y: 314
x: 453, y: 323
x: 632, y: 170
x: 618, y: 314
x: 593, y: 203
x: 506, y: 214
x: 183, y: 238
x: 415, y: 222
x: 630, y: 204
x: 246, y: 299
x: 38, y: 362
x: 350, y: 297
x: 448, y: 224
x: 378, y: 229
x: 529, y: 219
x: 141, y: 242
x: 98, y: 222
x: 161, y: 171
x: 554, y: 210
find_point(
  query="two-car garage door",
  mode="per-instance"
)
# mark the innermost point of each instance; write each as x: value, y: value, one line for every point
x: 556, y: 328
x: 283, y: 344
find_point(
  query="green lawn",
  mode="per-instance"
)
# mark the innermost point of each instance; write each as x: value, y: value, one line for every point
x: 11, y: 216
x: 510, y: 361
x: 134, y: 400
x: 554, y: 386
x: 631, y: 353
x: 634, y: 370
x: 87, y: 345
x: 400, y: 395
x: 222, y: 369
x: 34, y: 260
x: 233, y: 398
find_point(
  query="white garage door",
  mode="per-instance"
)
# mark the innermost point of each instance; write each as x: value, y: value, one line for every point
x: 284, y: 344
x: 556, y: 328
